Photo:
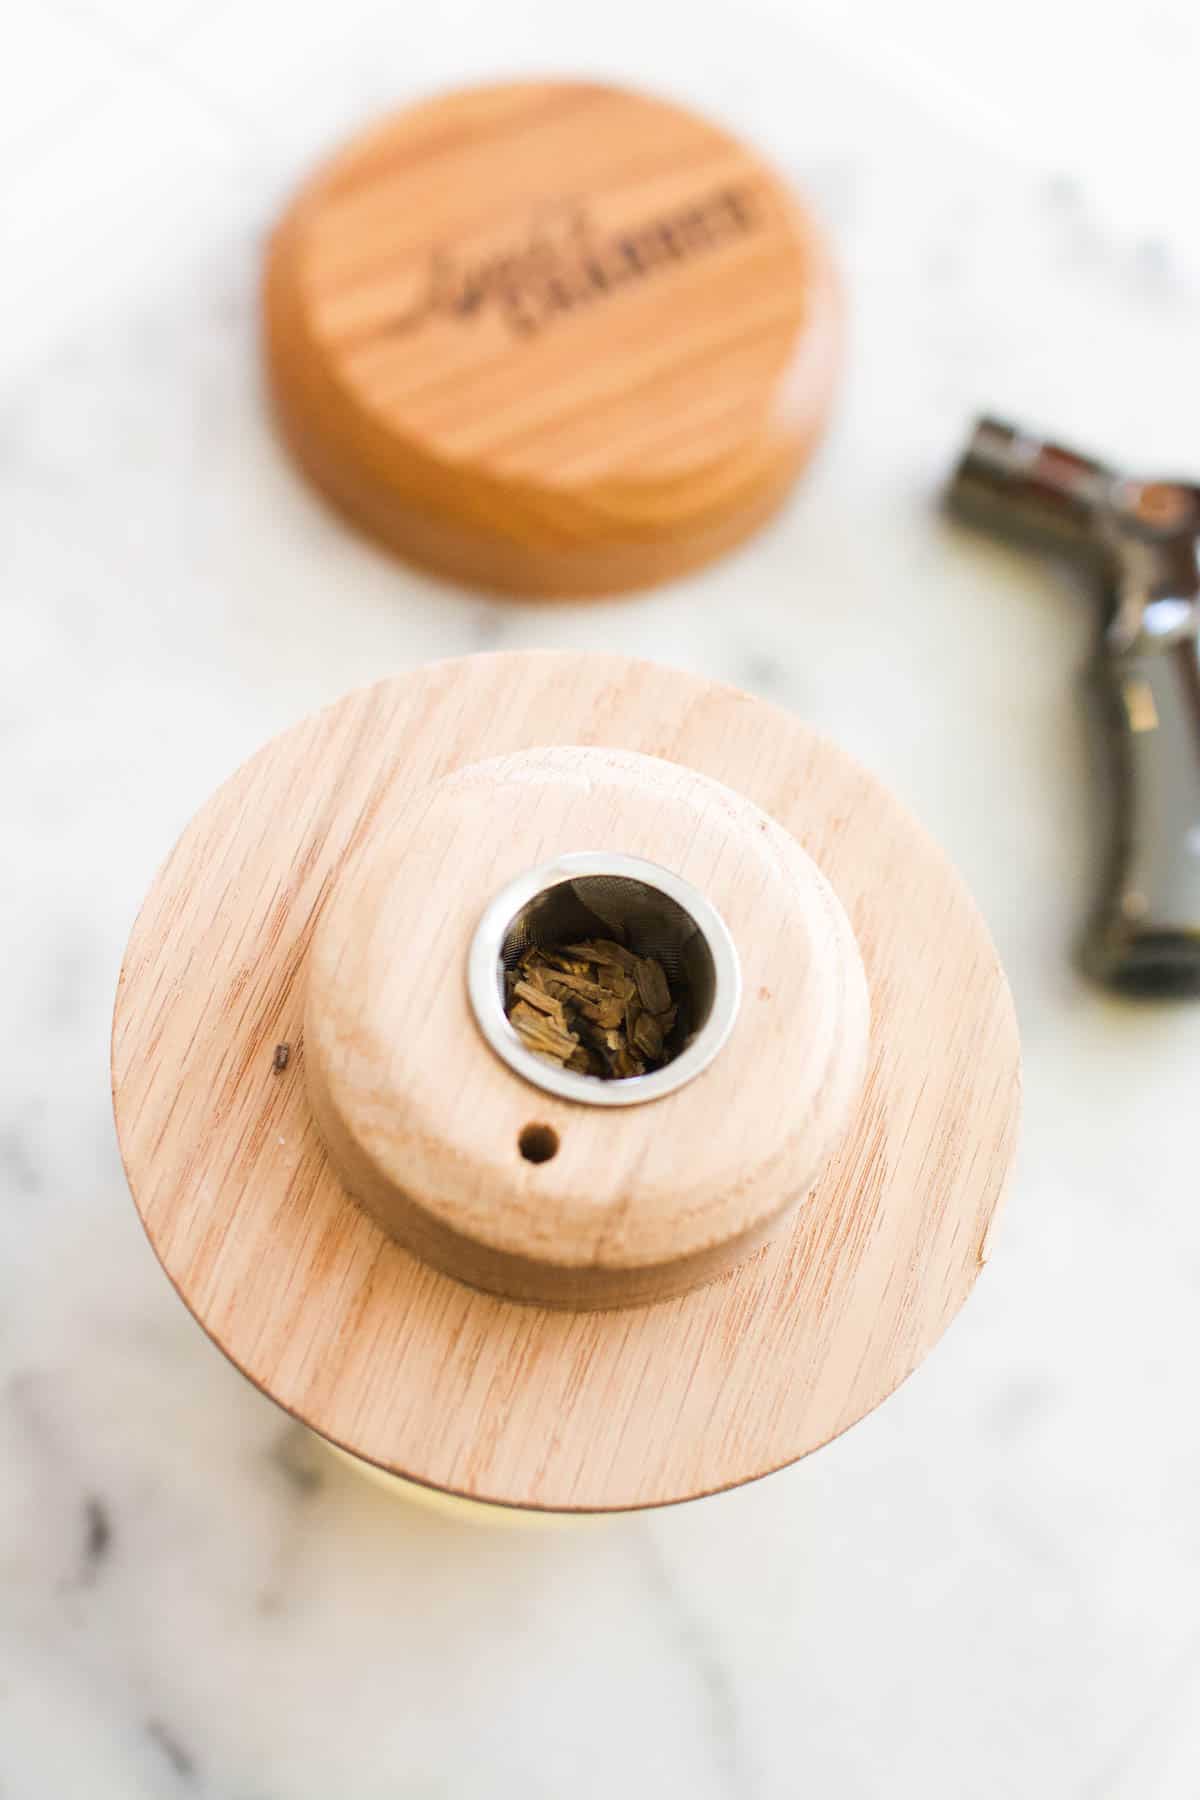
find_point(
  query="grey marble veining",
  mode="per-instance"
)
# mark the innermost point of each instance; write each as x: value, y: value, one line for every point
x: 992, y: 1587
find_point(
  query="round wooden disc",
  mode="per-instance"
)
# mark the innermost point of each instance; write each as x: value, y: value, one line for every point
x: 551, y: 337
x: 426, y: 1377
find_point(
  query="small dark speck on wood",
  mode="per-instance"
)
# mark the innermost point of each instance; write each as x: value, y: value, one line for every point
x: 97, y: 1532
x: 282, y: 1054
x: 181, y: 1760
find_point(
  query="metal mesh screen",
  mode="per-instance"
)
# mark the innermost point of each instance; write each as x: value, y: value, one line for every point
x: 637, y: 915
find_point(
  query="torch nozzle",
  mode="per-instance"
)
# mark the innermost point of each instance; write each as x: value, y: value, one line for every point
x: 1023, y: 486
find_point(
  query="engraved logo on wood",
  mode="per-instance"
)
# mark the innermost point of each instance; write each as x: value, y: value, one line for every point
x: 565, y: 262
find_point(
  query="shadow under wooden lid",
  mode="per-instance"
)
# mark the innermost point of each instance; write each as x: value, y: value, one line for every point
x: 400, y: 1363
x: 551, y: 338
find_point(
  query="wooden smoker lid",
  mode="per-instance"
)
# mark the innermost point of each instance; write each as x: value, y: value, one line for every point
x: 430, y: 1378
x: 551, y: 338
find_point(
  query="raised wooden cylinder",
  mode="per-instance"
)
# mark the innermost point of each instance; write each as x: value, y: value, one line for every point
x: 625, y: 1204
x: 327, y: 1139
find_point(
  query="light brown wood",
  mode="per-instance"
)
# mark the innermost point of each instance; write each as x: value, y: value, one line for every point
x: 422, y: 1119
x: 424, y: 1376
x: 551, y: 338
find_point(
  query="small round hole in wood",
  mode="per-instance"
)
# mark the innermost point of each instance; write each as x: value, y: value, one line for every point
x: 538, y: 1143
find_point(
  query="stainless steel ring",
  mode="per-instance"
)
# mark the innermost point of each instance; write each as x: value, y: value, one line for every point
x: 664, y: 915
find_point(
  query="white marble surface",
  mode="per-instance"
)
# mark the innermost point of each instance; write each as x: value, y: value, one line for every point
x: 990, y: 1589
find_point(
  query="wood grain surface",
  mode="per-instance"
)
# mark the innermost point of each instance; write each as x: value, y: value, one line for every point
x: 424, y: 1121
x: 551, y: 338
x: 411, y: 1370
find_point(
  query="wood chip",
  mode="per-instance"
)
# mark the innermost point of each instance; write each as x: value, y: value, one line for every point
x: 578, y: 984
x: 593, y: 1007
x: 608, y: 1012
x: 540, y: 1034
x: 557, y: 959
x: 538, y: 998
x: 648, y: 1037
x: 603, y: 950
x: 652, y: 985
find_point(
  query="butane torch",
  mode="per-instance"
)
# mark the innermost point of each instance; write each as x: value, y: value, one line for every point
x: 1141, y: 540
